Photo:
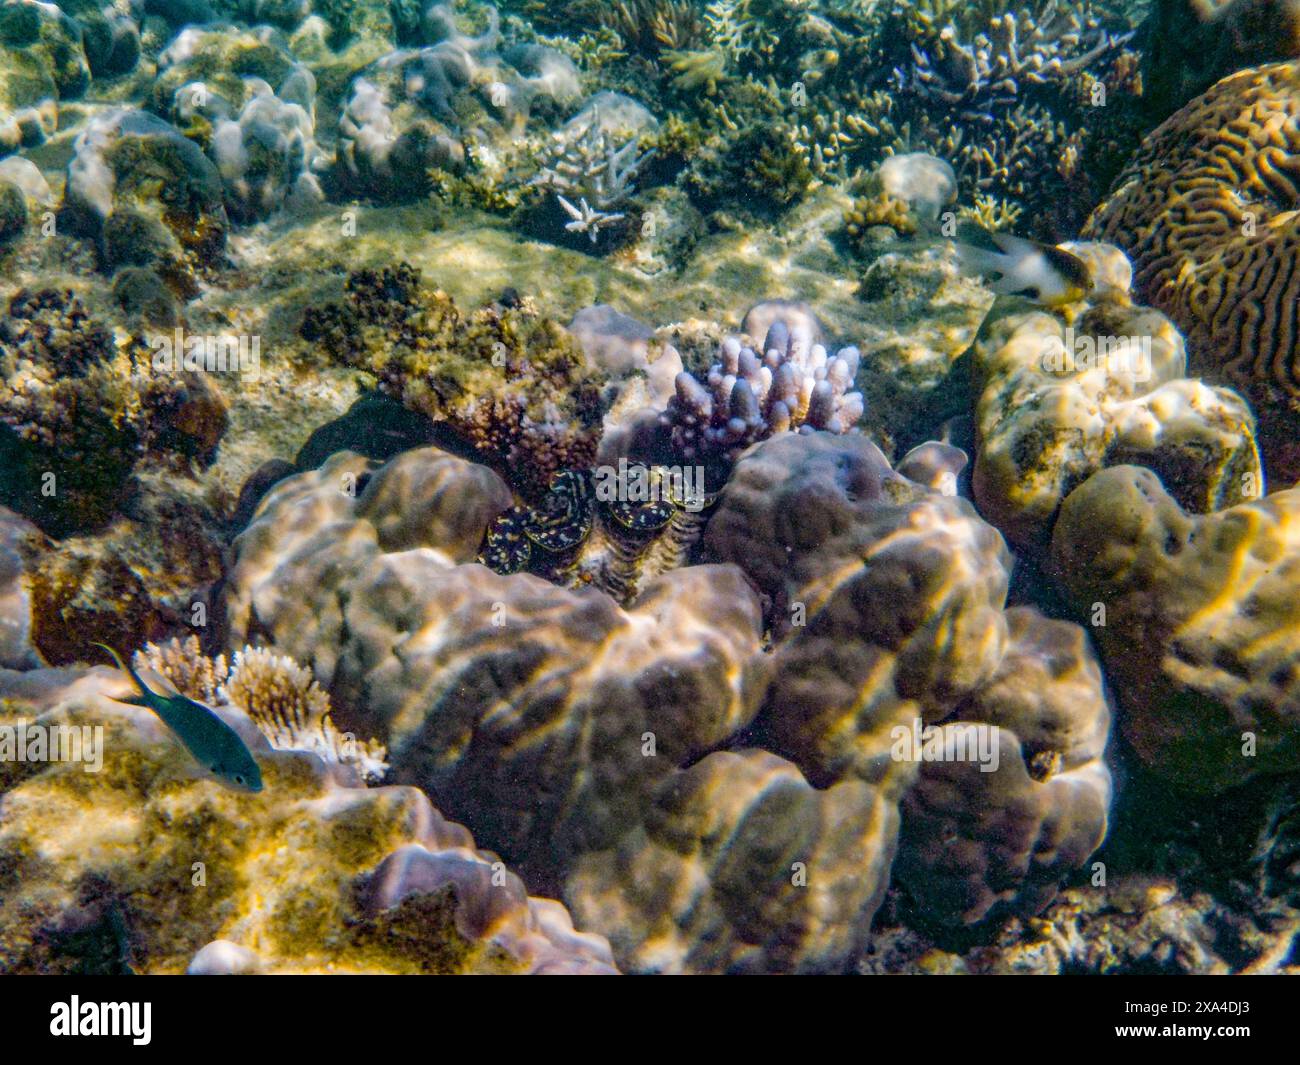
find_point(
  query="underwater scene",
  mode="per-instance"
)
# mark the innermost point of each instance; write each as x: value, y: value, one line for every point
x: 649, y: 487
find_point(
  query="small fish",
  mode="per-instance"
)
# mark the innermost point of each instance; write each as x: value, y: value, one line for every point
x: 215, y: 745
x: 1023, y: 267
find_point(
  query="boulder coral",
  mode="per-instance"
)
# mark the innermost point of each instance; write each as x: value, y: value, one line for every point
x: 130, y: 861
x: 543, y: 696
x: 147, y: 196
x: 42, y: 62
x: 709, y: 803
x: 1207, y: 210
x: 1059, y: 397
x: 829, y: 533
x: 1197, y: 621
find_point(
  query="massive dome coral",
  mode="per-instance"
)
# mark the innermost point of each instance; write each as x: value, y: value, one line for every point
x: 1200, y: 623
x: 1208, y: 211
x: 1059, y: 397
x: 708, y: 803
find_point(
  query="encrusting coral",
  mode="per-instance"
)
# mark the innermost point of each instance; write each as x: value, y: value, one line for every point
x: 80, y: 405
x: 1207, y: 210
x: 130, y: 861
x: 515, y: 385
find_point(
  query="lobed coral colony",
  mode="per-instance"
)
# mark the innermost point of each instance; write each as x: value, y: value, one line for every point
x: 656, y: 486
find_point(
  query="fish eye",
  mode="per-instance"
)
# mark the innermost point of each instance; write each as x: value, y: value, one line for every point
x: 239, y: 778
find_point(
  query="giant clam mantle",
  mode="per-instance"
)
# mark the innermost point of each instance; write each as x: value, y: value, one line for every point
x: 613, y: 530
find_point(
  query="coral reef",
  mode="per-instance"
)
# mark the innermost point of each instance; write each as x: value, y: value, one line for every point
x: 78, y: 409
x: 147, y: 196
x: 761, y: 652
x: 513, y: 384
x: 312, y: 876
x: 1055, y: 402
x: 1196, y: 618
x: 1206, y: 209
x: 828, y: 532
x: 482, y: 661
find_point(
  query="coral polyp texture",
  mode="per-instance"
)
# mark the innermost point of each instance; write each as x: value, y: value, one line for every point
x: 1200, y: 623
x: 1206, y: 209
x: 1061, y: 395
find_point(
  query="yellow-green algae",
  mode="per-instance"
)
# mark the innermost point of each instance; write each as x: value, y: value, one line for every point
x: 280, y: 874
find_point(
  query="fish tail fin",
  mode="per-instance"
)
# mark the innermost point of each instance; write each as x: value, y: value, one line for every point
x: 1016, y: 247
x: 116, y: 657
x: 135, y: 700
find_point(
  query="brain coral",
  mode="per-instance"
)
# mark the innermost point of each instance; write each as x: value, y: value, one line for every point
x: 1061, y: 397
x: 1197, y: 620
x: 1207, y: 210
x: 141, y: 863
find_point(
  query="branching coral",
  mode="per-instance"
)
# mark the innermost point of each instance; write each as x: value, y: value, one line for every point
x: 280, y: 697
x: 588, y: 162
x: 293, y: 711
x: 795, y: 384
